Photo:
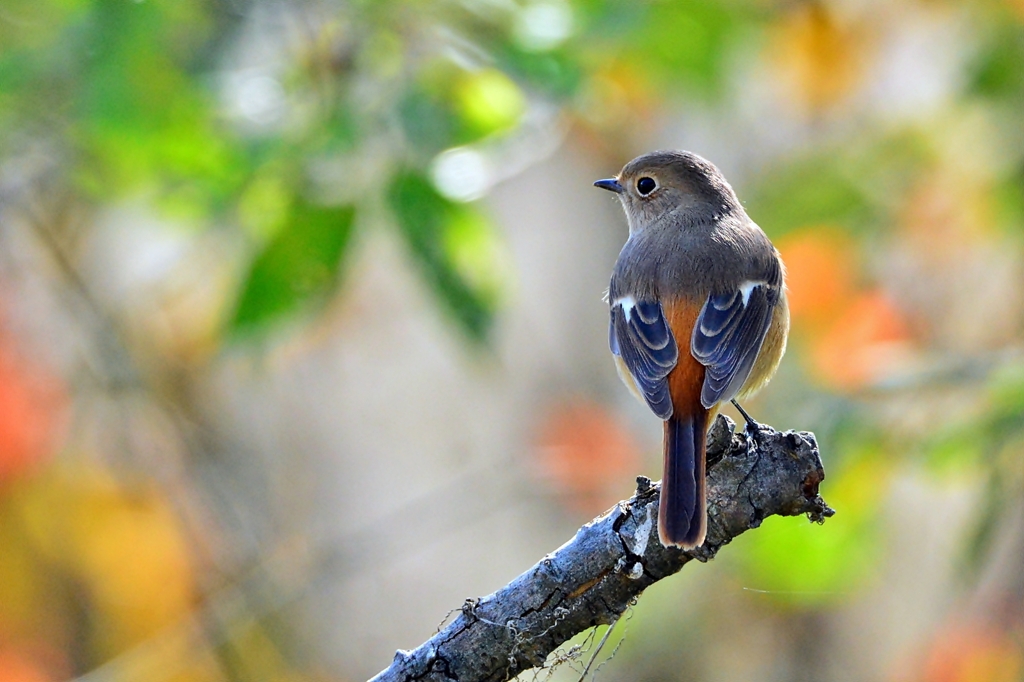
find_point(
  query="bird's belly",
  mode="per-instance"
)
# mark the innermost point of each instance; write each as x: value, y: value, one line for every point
x: 772, y: 350
x: 627, y: 378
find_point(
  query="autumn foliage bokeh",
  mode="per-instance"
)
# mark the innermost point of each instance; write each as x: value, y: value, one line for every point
x: 301, y: 338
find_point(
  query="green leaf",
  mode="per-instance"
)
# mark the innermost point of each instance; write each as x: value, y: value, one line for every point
x: 431, y: 225
x: 799, y: 564
x: 449, y: 107
x: 489, y: 102
x: 36, y: 24
x: 685, y: 44
x: 998, y: 70
x: 1006, y: 395
x: 810, y: 192
x: 144, y: 119
x: 427, y: 120
x: 1008, y: 196
x: 554, y: 73
x: 299, y: 268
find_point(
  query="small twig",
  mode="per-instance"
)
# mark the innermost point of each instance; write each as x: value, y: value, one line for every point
x: 600, y: 645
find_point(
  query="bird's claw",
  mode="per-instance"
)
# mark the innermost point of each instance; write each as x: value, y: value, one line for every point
x: 751, y: 429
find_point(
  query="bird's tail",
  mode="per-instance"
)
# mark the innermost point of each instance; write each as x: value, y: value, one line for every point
x: 682, y: 518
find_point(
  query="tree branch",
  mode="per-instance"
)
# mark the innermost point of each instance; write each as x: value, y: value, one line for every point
x: 595, y: 576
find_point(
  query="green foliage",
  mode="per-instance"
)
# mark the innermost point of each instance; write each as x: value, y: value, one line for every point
x: 133, y: 94
x: 300, y: 267
x: 954, y: 451
x: 986, y: 448
x: 437, y: 230
x: 1009, y: 201
x: 489, y: 103
x: 1006, y: 393
x: 807, y: 192
x: 681, y: 48
x: 800, y: 565
x: 685, y: 43
x: 556, y: 73
x: 996, y: 71
x: 146, y: 121
x: 133, y: 98
x: 427, y: 120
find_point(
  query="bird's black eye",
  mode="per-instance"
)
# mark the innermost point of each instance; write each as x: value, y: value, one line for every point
x: 645, y: 186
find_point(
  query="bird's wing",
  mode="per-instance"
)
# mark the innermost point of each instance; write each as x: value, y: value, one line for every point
x: 640, y: 335
x: 728, y: 335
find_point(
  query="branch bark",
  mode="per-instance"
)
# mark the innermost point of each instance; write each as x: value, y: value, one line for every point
x: 594, y: 577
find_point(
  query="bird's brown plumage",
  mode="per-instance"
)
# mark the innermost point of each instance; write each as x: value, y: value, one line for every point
x: 684, y: 385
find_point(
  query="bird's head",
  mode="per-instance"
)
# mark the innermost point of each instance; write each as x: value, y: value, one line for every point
x: 656, y: 185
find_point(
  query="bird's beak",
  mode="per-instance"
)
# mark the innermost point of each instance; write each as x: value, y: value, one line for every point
x: 611, y: 184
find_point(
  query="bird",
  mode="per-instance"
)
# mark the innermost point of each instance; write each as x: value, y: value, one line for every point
x: 698, y: 316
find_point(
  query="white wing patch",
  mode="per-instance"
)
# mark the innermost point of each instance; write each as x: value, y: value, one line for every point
x: 627, y: 303
x: 747, y: 287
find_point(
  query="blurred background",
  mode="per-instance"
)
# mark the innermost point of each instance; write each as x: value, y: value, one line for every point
x: 302, y: 340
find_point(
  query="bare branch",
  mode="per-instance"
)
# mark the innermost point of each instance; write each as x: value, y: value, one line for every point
x: 595, y: 576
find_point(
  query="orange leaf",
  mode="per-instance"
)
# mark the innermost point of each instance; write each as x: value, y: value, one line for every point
x: 867, y: 341
x: 32, y: 403
x: 124, y: 547
x: 823, y: 58
x: 973, y: 653
x: 587, y: 455
x: 820, y: 270
x: 1018, y: 8
x: 18, y: 667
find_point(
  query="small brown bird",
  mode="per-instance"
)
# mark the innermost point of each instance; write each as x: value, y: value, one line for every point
x: 695, y: 272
